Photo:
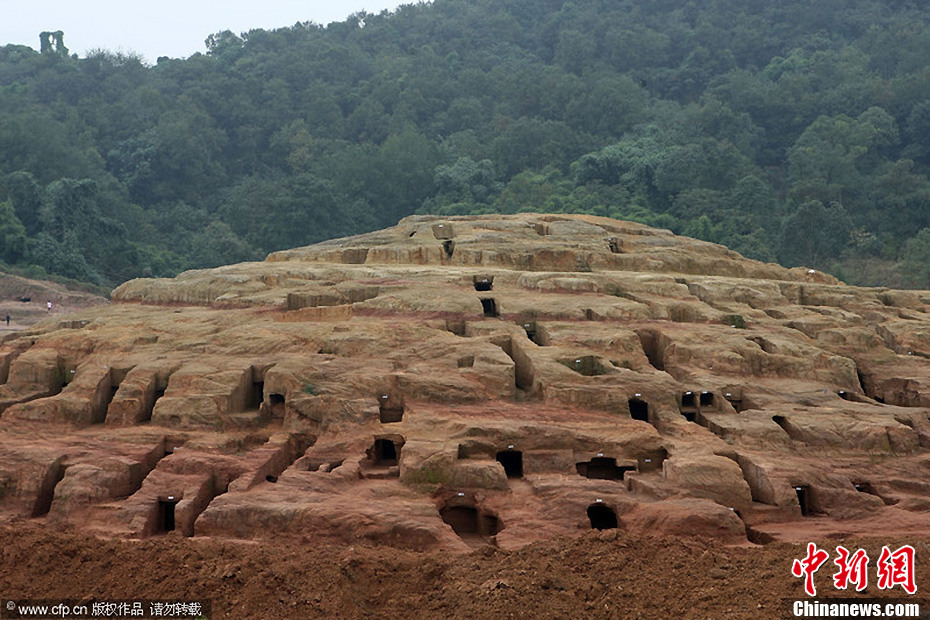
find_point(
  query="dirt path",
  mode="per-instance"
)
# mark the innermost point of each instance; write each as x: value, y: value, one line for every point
x: 24, y: 314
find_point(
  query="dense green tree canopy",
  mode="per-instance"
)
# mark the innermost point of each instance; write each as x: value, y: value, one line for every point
x: 796, y: 131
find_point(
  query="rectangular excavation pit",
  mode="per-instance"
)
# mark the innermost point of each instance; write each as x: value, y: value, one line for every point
x: 470, y: 523
x: 354, y: 256
x: 483, y: 283
x: 866, y: 487
x: 586, y: 365
x: 106, y: 391
x: 160, y: 387
x: 390, y: 408
x: 534, y: 333
x: 54, y: 474
x: 735, y: 398
x: 489, y: 307
x: 524, y: 374
x: 615, y: 245
x: 602, y: 468
x: 652, y: 347
x: 651, y: 461
x: 448, y: 247
x: 166, y: 521
x: 760, y: 486
x: 456, y: 326
x: 790, y: 429
x: 443, y: 231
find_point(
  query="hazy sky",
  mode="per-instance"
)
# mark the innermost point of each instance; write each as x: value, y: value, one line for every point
x: 175, y: 28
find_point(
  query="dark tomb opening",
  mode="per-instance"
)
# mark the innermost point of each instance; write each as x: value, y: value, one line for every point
x: 468, y: 522
x: 390, y: 410
x: 46, y: 494
x: 385, y: 452
x: 166, y: 522
x: 483, y: 283
x: 532, y: 332
x: 687, y: 400
x: 616, y: 246
x: 113, y: 390
x: 512, y: 460
x: 456, y: 327
x: 448, y: 247
x: 782, y: 422
x: 489, y: 306
x: 863, y: 384
x: 707, y: 399
x: 602, y: 468
x: 845, y: 395
x: 101, y: 415
x: 735, y: 401
x: 639, y: 409
x: 804, y: 499
x: 256, y: 396
x: 602, y: 517
x: 271, y: 478
x: 462, y: 519
x: 277, y: 404
x: 690, y: 416
x: 489, y: 525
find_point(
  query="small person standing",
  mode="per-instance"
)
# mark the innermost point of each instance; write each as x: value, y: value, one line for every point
x: 49, y: 306
x: 8, y: 320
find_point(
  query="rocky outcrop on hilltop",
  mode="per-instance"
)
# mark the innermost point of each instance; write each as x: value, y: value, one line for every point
x: 453, y: 382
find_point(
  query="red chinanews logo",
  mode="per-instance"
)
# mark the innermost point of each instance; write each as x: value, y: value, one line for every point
x: 892, y: 569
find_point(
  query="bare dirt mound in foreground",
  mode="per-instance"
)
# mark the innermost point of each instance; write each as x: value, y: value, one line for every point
x: 503, y: 384
x: 594, y: 575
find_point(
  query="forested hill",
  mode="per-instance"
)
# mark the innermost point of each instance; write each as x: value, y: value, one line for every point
x: 796, y: 131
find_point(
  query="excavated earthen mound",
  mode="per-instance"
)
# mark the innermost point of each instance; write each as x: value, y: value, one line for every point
x: 450, y: 383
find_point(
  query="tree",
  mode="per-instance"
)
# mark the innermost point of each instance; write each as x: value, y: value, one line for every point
x: 813, y: 233
x: 915, y: 263
x: 12, y: 234
x: 218, y: 245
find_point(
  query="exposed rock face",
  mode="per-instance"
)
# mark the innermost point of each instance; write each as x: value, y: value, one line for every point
x: 447, y: 382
